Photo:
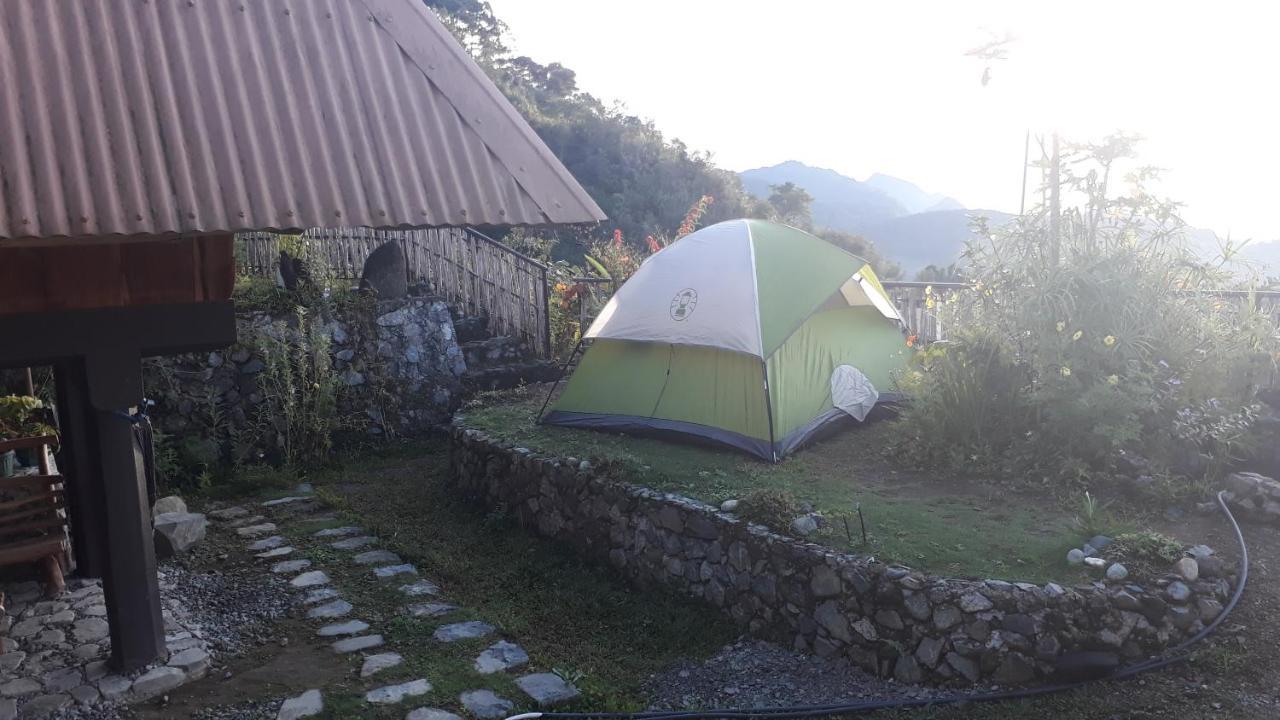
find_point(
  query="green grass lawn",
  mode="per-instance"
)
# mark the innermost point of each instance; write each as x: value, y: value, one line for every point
x: 943, y: 525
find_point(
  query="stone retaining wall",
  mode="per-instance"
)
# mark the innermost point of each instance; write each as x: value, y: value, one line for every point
x: 397, y: 366
x: 889, y: 620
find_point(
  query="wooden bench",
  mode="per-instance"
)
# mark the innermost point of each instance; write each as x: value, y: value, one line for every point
x: 33, y: 524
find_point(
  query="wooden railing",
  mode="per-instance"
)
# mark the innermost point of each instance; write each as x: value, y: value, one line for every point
x: 461, y: 265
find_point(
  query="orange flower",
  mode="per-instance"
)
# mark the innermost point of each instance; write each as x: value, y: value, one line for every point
x: 911, y: 340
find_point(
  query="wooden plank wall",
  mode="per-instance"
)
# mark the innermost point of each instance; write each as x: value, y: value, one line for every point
x: 77, y: 276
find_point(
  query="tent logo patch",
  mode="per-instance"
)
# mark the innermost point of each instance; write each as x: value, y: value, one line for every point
x: 683, y: 303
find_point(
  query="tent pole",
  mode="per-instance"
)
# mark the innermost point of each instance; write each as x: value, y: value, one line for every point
x: 768, y: 408
x: 563, y: 369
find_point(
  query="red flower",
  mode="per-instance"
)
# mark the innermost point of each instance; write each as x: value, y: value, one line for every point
x: 617, y: 238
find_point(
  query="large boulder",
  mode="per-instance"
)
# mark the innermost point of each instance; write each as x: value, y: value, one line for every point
x: 177, y: 532
x: 386, y: 273
x: 170, y: 504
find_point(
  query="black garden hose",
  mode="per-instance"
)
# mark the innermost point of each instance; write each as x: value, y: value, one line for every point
x: 1174, y: 655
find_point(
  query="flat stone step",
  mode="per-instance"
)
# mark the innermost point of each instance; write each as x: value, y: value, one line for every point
x: 377, y: 663
x: 427, y: 713
x: 500, y: 656
x: 391, y: 571
x: 396, y: 693
x: 256, y: 530
x: 429, y: 610
x: 284, y: 501
x: 486, y: 704
x: 275, y: 553
x: 354, y: 644
x: 547, y: 689
x: 254, y: 520
x: 350, y: 627
x: 308, y: 704
x: 354, y: 543
x: 310, y: 579
x: 463, y: 631
x: 270, y: 543
x: 420, y: 588
x: 336, y: 609
x: 319, y: 595
x: 337, y: 532
x: 376, y: 556
x: 226, y: 514
x: 290, y: 566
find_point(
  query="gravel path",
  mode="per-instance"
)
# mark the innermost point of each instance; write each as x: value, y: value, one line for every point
x: 754, y: 673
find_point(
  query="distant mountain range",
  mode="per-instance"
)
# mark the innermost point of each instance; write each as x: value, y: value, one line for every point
x: 915, y: 228
x: 910, y: 226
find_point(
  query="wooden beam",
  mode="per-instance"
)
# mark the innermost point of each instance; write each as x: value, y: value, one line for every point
x: 44, y: 338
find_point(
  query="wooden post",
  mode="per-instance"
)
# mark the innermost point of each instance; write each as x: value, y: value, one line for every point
x: 78, y: 450
x: 114, y: 380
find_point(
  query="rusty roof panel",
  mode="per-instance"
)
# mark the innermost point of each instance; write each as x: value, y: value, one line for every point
x: 156, y: 117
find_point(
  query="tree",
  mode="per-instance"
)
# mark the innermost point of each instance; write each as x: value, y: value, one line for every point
x: 790, y: 204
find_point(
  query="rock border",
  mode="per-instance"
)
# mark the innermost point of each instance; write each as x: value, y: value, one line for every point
x: 889, y: 620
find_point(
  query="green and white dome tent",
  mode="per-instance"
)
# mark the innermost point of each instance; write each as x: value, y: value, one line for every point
x: 748, y: 333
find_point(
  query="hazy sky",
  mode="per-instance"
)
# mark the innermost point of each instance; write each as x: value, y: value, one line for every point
x: 865, y: 87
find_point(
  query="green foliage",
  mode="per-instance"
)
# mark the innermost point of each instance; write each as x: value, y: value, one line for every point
x: 300, y: 392
x: 1093, y: 518
x: 1068, y: 351
x: 1147, y: 547
x: 772, y: 507
x: 20, y: 416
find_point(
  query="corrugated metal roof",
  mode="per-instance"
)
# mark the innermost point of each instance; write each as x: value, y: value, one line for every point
x: 156, y: 117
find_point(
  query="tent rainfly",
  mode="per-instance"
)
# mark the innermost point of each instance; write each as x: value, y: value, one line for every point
x: 747, y: 333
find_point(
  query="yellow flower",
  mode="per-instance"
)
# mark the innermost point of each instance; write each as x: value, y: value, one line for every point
x: 1077, y: 335
x: 929, y: 303
x: 1109, y: 340
x: 1066, y: 371
x: 987, y: 292
x: 1061, y: 326
x: 928, y: 289
x: 1113, y: 379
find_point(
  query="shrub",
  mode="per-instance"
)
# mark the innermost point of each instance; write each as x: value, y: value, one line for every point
x: 1146, y: 554
x: 1072, y: 351
x: 771, y: 507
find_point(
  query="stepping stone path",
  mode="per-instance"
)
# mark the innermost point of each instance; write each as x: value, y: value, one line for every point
x: 377, y: 663
x: 486, y: 704
x: 307, y: 704
x: 270, y: 543
x: 463, y: 631
x: 363, y: 642
x: 429, y: 610
x: 376, y: 556
x: 290, y: 566
x: 350, y: 627
x: 395, y: 693
x: 324, y: 602
x: 420, y: 588
x: 337, y: 608
x: 500, y: 656
x: 547, y: 689
x: 391, y: 571
x: 337, y: 532
x: 354, y: 543
x: 310, y: 579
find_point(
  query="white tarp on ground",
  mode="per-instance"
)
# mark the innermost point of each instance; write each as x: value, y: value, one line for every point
x: 700, y: 290
x: 852, y: 392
